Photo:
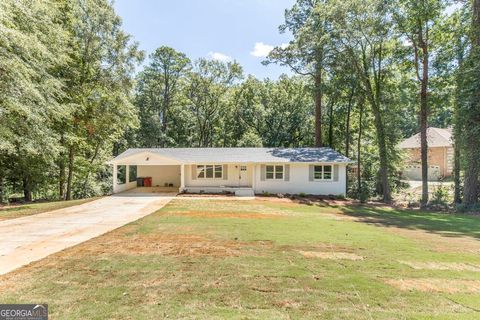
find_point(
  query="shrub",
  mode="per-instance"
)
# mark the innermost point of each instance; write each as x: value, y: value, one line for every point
x: 367, y: 190
x: 412, y: 200
x: 441, y: 195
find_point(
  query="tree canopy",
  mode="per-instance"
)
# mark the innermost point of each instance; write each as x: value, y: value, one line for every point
x: 365, y: 75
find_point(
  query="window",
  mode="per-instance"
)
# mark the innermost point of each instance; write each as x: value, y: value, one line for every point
x: 322, y: 172
x: 218, y: 171
x: 210, y: 171
x: 132, y: 173
x: 121, y: 174
x: 200, y: 172
x: 274, y: 172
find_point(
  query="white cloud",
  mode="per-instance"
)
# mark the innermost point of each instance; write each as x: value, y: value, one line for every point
x: 261, y: 50
x: 219, y: 56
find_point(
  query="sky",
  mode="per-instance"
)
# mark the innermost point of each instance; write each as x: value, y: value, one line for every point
x: 241, y: 30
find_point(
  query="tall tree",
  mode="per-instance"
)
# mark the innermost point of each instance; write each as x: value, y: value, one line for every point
x: 469, y: 110
x: 157, y: 91
x: 32, y: 47
x: 310, y: 51
x: 415, y: 19
x: 206, y: 91
x: 364, y: 32
x: 99, y: 84
x: 453, y: 40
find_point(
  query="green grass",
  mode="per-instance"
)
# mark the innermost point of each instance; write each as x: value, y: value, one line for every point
x: 21, y: 210
x: 211, y: 259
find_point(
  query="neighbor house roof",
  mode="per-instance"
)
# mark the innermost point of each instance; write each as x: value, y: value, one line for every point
x: 239, y: 155
x: 436, y: 137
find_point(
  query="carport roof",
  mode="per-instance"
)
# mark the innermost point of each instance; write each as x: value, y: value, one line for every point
x: 240, y: 155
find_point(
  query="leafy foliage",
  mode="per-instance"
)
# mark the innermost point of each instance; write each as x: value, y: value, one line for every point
x: 70, y: 99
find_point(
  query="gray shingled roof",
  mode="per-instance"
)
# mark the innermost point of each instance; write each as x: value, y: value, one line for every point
x: 436, y: 137
x: 245, y: 155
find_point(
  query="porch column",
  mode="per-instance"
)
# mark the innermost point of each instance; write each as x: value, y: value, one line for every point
x: 182, y: 177
x: 114, y: 178
x: 254, y: 178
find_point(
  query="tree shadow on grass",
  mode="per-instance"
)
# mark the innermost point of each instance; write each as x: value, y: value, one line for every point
x: 445, y: 224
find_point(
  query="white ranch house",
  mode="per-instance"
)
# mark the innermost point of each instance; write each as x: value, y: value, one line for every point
x: 243, y: 171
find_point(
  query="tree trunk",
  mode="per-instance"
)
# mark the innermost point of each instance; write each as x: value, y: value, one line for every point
x: 61, y: 179
x: 457, y: 198
x: 359, y: 146
x: 318, y: 109
x: 164, y: 130
x: 347, y: 124
x: 2, y: 188
x: 71, y: 158
x: 472, y: 147
x: 373, y: 86
x: 27, y: 188
x: 330, y: 125
x: 382, y: 151
x: 61, y: 173
x: 424, y: 125
x: 472, y: 171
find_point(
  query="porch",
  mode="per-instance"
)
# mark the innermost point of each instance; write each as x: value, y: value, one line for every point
x: 237, y: 191
x: 235, y: 179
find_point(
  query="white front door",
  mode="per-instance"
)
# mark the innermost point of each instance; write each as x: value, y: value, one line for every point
x: 243, y: 176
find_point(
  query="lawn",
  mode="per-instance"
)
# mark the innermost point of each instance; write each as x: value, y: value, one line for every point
x: 264, y: 259
x: 20, y: 210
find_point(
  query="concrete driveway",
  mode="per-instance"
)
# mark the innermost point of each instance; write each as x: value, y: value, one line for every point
x: 31, y: 238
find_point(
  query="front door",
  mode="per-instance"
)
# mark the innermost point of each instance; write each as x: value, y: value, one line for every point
x: 243, y: 176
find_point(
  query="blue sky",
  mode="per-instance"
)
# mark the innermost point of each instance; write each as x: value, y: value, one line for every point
x: 242, y: 30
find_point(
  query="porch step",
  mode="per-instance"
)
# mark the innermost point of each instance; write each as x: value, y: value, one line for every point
x: 244, y: 193
x: 238, y: 191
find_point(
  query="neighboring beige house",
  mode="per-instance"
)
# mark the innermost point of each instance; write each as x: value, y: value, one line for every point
x: 440, y: 154
x: 243, y: 171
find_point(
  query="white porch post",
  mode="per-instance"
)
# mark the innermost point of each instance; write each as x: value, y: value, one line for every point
x: 114, y: 178
x: 182, y: 177
x: 127, y: 174
x: 254, y: 178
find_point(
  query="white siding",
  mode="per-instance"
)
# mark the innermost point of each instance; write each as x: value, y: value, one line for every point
x: 161, y: 174
x: 231, y: 181
x: 299, y: 182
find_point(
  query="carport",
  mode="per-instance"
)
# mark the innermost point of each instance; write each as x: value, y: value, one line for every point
x: 165, y: 174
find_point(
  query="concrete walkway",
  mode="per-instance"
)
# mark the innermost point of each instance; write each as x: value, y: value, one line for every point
x: 32, y: 238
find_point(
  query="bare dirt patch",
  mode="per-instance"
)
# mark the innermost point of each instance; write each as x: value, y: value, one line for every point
x: 169, y: 245
x: 453, y: 266
x: 220, y: 196
x: 332, y: 255
x: 436, y: 285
